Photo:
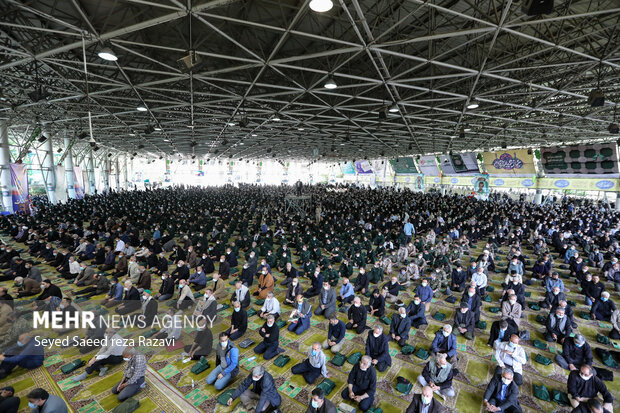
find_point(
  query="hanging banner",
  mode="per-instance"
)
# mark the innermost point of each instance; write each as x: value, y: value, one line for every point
x: 403, y: 166
x: 363, y: 167
x: 515, y: 162
x: 428, y: 165
x: 79, y: 182
x: 19, y: 191
x: 86, y: 188
x: 459, y: 163
x: 481, y: 186
x: 61, y: 184
x: 577, y: 160
x: 347, y: 168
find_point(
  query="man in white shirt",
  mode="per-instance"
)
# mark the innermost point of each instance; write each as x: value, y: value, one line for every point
x: 480, y: 279
x: 110, y: 353
x: 512, y: 356
x: 271, y: 306
x: 314, y: 366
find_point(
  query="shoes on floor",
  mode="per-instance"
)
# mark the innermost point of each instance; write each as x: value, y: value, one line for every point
x: 103, y: 371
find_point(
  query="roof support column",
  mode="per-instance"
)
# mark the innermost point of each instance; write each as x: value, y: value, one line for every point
x: 69, y: 171
x: 91, y: 172
x: 48, y: 169
x: 5, y: 168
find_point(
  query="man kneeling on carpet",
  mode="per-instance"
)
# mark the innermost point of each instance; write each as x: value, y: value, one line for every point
x: 109, y: 354
x: 258, y: 392
x: 133, y: 376
x: 437, y: 374
x: 27, y: 353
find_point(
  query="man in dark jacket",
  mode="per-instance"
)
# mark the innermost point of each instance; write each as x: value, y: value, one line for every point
x: 424, y: 403
x: 327, y: 301
x: 258, y: 391
x: 558, y: 326
x: 445, y: 342
x: 438, y: 374
x: 464, y: 321
x: 292, y: 291
x: 603, y: 308
x: 335, y: 335
x: 238, y: 322
x: 131, y: 299
x: 270, y: 332
x: 9, y: 403
x: 361, y: 282
x: 318, y: 403
x: 361, y: 384
x: 459, y: 277
x: 501, y: 331
x: 166, y: 290
x: 416, y: 312
x: 376, y: 304
x: 399, y: 329
x: 502, y: 393
x: 357, y: 316
x: 224, y: 269
x: 582, y: 385
x: 377, y: 347
x: 575, y: 353
x: 49, y: 290
x: 473, y: 302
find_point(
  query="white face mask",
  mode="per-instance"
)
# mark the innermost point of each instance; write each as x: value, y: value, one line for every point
x: 446, y: 334
x: 586, y: 378
x: 512, y: 301
x: 376, y: 335
x: 255, y: 378
x: 426, y: 400
x: 224, y: 344
x: 357, y: 304
x: 126, y: 358
x: 506, y: 381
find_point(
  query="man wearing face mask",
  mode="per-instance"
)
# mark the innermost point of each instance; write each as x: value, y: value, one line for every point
x: 133, y: 377
x: 335, y: 335
x: 224, y: 269
x: 166, y: 290
x: 186, y: 296
x: 510, y: 355
x: 377, y: 347
x: 357, y: 316
x: 266, y: 284
x: 502, y: 394
x: 131, y: 299
x: 270, y: 333
x: 314, y: 366
x: 346, y: 292
x: 181, y: 272
x: 424, y: 403
x: 320, y: 404
x: 115, y: 295
x: 603, y: 308
x: 27, y: 353
x: 300, y: 316
x: 438, y: 374
x: 327, y: 301
x: 558, y: 326
x: 203, y: 342
x: 399, y: 329
x: 110, y: 354
x: 464, y: 322
x: 238, y: 322
x: 361, y: 384
x: 241, y: 294
x: 227, y: 363
x: 293, y: 290
x: 445, y: 342
x: 582, y: 386
x: 247, y: 275
x: 393, y: 288
x: 553, y: 297
x: 258, y: 392
x: 416, y: 312
x: 361, y: 282
x: 40, y: 401
x: 575, y: 353
x: 473, y: 302
x: 425, y: 292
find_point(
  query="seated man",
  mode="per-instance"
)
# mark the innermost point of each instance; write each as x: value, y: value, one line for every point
x: 510, y: 355
x: 265, y: 285
x: 376, y: 304
x: 316, y: 283
x: 512, y: 310
x: 226, y: 363
x: 327, y: 301
x: 346, y: 292
x: 203, y: 342
x: 166, y: 290
x: 131, y: 300
x: 238, y: 322
x: 361, y: 282
x: 198, y: 279
x: 258, y: 392
x: 300, y: 316
x: 415, y: 312
x: 9, y: 403
x: 28, y: 353
x: 459, y: 278
x: 438, y: 374
x: 314, y: 366
x: 377, y: 347
x: 464, y: 322
x: 270, y: 332
x: 399, y: 329
x: 473, y: 301
x: 553, y: 297
x: 133, y: 376
x: 445, y: 342
x: 502, y: 395
x: 42, y: 402
x: 592, y: 406
x: 271, y: 306
x: 101, y: 286
x: 582, y: 386
x: 603, y: 309
x: 241, y: 293
x: 575, y: 353
x: 357, y: 316
x: 558, y: 326
x: 393, y: 288
x: 110, y: 353
x: 293, y: 290
x: 335, y: 335
x: 320, y: 404
x: 425, y: 292
x: 615, y: 325
x: 424, y: 403
x: 361, y: 384
x: 501, y: 332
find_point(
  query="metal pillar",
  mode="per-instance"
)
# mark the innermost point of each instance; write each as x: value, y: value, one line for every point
x: 5, y: 168
x: 118, y: 175
x: 69, y: 171
x: 618, y: 201
x: 106, y: 175
x: 91, y: 172
x: 125, y: 181
x: 538, y: 197
x: 48, y: 169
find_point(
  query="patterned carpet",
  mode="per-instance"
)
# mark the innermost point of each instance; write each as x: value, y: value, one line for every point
x: 171, y: 387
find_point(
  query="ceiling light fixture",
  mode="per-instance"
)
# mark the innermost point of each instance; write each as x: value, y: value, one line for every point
x: 254, y: 135
x: 300, y: 129
x: 275, y: 118
x: 157, y: 129
x: 330, y: 83
x: 321, y: 6
x: 473, y: 105
x: 107, y: 54
x: 394, y: 108
x: 141, y: 108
